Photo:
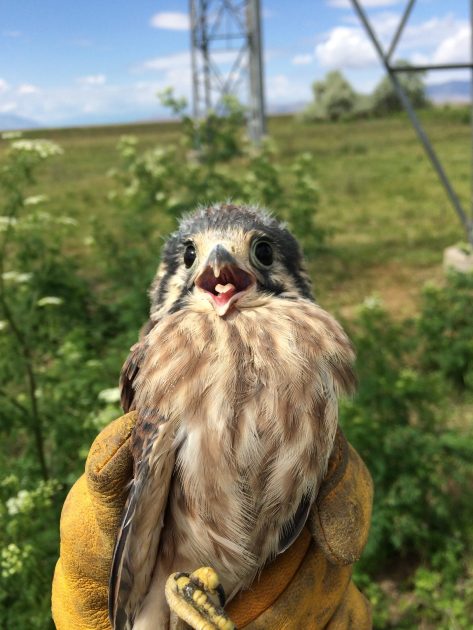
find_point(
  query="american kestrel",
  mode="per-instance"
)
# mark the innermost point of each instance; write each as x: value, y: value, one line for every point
x: 235, y: 382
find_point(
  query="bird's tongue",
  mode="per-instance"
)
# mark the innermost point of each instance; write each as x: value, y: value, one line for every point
x: 225, y: 292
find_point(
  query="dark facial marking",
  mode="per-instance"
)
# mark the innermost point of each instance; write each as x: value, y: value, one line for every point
x: 171, y: 264
x: 179, y: 303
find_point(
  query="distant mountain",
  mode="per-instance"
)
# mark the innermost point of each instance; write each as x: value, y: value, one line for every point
x: 11, y: 122
x: 449, y: 92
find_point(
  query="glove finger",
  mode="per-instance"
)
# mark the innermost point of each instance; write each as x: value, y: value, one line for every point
x: 341, y: 516
x: 109, y: 465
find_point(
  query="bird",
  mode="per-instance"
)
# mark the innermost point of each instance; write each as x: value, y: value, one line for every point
x: 235, y: 382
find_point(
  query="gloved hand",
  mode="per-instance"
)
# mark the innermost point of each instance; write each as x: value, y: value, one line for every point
x: 309, y: 586
x: 89, y: 523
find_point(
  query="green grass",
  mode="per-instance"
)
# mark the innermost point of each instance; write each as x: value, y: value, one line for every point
x: 381, y: 200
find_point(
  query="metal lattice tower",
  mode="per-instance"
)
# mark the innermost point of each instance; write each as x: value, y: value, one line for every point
x: 226, y: 50
x: 465, y: 216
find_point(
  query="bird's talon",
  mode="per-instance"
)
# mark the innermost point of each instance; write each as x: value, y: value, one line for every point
x: 207, y: 579
x: 188, y: 597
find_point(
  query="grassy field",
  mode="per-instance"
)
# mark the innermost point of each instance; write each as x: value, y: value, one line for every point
x: 388, y: 216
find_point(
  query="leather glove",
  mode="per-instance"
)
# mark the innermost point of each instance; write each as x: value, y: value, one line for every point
x: 309, y: 586
x: 89, y: 523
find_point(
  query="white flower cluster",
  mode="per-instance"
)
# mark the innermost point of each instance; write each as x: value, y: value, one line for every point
x: 372, y: 302
x: 11, y: 135
x: 63, y: 220
x: 12, y: 559
x: 25, y: 501
x: 16, y: 276
x: 111, y: 395
x: 34, y: 200
x: 21, y: 503
x: 50, y: 300
x: 6, y: 222
x: 42, y: 216
x: 42, y: 148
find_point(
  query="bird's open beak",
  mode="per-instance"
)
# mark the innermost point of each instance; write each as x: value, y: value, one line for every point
x: 222, y: 280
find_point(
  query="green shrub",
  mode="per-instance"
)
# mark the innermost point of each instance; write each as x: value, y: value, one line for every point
x: 52, y: 334
x: 422, y: 472
x: 28, y: 549
x: 446, y: 325
x: 421, y: 468
x: 385, y: 99
x: 334, y: 98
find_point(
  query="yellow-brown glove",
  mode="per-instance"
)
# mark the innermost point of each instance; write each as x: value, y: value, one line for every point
x: 309, y: 586
x: 89, y: 523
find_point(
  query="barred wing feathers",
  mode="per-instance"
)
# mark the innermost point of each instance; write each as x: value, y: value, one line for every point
x: 138, y: 539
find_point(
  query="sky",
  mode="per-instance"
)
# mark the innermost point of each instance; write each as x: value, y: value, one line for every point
x: 99, y: 61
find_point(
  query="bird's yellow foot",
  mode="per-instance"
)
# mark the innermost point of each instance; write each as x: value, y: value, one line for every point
x: 188, y: 596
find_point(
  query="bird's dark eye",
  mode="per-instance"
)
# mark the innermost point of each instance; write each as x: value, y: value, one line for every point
x: 263, y: 252
x: 189, y: 256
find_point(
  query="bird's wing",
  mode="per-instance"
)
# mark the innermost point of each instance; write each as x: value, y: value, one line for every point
x: 131, y: 367
x: 293, y: 528
x: 138, y: 538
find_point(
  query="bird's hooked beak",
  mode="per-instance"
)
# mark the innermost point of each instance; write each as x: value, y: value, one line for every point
x: 222, y: 280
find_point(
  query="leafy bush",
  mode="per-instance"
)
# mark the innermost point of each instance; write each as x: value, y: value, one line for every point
x: 446, y: 323
x: 28, y: 548
x: 422, y: 472
x: 385, y: 99
x: 52, y: 331
x: 218, y: 137
x: 334, y: 98
x: 397, y: 422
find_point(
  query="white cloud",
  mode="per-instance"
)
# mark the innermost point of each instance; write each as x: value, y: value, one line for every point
x: 6, y: 108
x: 439, y: 40
x: 4, y: 87
x: 92, y: 79
x: 431, y: 33
x: 97, y: 102
x: 13, y: 34
x: 175, y: 70
x: 302, y: 60
x: 27, y: 88
x: 134, y: 101
x: 366, y: 4
x: 443, y: 39
x: 280, y: 89
x: 345, y: 47
x: 172, y: 21
x: 385, y: 24
x: 168, y: 62
x: 455, y: 48
x: 182, y: 61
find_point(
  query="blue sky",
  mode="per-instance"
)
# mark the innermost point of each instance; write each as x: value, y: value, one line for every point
x: 103, y: 61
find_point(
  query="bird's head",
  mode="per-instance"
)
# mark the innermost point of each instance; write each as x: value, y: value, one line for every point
x: 228, y: 256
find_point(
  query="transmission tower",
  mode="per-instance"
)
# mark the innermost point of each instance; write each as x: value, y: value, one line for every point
x: 386, y: 56
x: 226, y: 51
